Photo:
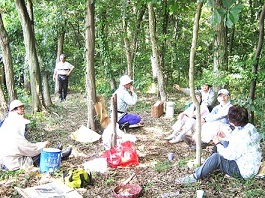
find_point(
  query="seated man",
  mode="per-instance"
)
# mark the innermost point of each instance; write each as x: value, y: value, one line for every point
x: 187, y: 120
x: 15, y: 150
x: 124, y: 99
x: 208, y: 95
x: 241, y: 158
x: 215, y: 122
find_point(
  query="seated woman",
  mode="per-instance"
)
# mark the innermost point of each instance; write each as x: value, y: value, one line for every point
x: 16, y: 115
x: 15, y: 150
x: 187, y: 120
x: 240, y: 158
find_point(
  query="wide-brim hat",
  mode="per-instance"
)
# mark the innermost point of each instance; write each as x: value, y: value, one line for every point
x: 124, y: 80
x: 14, y: 104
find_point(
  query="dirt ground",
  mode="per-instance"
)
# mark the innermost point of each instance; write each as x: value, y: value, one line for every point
x: 155, y: 174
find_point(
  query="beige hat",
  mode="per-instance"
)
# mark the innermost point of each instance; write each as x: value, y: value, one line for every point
x: 14, y: 104
x: 223, y: 91
x: 124, y: 80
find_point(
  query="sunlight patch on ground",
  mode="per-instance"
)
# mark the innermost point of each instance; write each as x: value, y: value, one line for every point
x: 156, y: 131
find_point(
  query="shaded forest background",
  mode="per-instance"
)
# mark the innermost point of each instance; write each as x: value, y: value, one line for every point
x: 229, y: 36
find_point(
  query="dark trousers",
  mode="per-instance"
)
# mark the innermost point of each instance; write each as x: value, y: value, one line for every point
x: 63, y: 86
x: 36, y: 160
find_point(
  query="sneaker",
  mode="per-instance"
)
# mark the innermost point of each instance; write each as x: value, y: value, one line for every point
x: 189, y: 141
x: 175, y: 140
x: 171, y: 136
x: 186, y: 180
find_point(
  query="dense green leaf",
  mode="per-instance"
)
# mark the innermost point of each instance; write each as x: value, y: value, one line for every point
x: 211, y: 3
x: 228, y: 21
x: 228, y: 3
x: 233, y: 17
x: 237, y: 8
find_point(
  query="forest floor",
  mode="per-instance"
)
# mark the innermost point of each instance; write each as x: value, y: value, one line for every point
x: 155, y: 174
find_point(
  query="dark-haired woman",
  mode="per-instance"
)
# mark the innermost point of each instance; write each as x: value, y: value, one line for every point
x: 240, y: 158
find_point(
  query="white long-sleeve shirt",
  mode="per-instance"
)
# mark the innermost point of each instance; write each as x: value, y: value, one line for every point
x: 124, y: 99
x: 244, y: 148
x: 15, y: 150
x: 220, y: 113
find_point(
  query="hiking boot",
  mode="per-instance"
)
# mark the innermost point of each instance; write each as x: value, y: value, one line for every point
x: 189, y: 141
x: 176, y: 140
x: 186, y: 180
x: 66, y: 153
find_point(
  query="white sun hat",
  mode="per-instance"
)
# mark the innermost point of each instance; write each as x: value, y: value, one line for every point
x: 14, y: 104
x: 124, y: 80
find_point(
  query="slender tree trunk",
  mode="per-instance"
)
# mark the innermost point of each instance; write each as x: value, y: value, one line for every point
x: 137, y: 29
x: 191, y: 81
x: 3, y: 105
x: 7, y: 59
x: 60, y: 44
x: 46, y: 90
x: 164, y: 30
x: 152, y: 30
x: 220, y: 45
x: 256, y: 62
x: 29, y: 40
x: 90, y: 70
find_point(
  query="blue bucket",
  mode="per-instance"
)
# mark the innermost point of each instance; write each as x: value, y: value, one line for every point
x: 50, y: 160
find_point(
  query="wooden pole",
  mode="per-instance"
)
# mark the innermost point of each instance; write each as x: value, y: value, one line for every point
x: 114, y: 120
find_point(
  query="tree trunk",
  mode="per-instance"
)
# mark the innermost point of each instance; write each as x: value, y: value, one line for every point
x: 220, y: 45
x: 29, y: 40
x: 152, y: 30
x: 60, y: 44
x: 256, y: 63
x: 3, y: 105
x: 46, y: 90
x: 191, y: 82
x: 7, y: 59
x: 90, y: 70
x: 164, y: 30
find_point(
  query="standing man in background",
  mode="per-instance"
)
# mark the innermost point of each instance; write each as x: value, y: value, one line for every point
x: 62, y: 71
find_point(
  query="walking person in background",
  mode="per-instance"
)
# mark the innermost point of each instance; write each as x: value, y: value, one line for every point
x: 62, y: 72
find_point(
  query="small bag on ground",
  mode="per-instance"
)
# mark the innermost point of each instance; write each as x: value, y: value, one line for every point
x: 77, y: 178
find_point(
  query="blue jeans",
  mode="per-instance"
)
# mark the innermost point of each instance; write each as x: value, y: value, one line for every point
x: 218, y: 162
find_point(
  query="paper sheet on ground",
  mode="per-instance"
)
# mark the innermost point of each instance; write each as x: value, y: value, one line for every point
x: 84, y: 134
x: 49, y: 190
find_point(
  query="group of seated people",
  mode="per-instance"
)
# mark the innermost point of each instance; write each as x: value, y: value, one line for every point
x: 236, y: 153
x: 236, y: 142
